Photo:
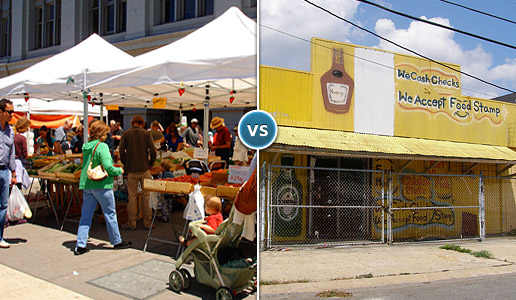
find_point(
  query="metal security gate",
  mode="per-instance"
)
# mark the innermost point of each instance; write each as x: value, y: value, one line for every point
x: 424, y: 207
x: 310, y: 206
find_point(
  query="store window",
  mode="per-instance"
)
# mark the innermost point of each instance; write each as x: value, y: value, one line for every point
x: 178, y: 10
x: 47, y: 17
x: 5, y: 28
x: 107, y: 16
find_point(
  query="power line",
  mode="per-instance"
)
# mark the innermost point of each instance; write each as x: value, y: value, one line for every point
x: 479, y: 11
x: 407, y: 49
x: 438, y: 25
x: 352, y: 55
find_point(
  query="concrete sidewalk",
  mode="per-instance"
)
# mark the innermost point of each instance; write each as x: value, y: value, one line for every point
x: 41, y: 265
x: 301, y: 270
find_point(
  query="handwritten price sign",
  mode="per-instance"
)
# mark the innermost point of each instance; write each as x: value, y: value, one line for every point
x: 159, y: 102
x: 237, y: 174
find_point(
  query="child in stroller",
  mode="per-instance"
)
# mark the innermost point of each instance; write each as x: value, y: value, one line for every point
x: 209, y: 253
x: 213, y: 208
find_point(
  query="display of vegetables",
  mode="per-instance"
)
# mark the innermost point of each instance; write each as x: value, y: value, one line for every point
x: 71, y: 168
x: 53, y: 169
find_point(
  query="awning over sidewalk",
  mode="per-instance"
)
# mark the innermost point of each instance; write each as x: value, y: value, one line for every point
x: 297, y: 139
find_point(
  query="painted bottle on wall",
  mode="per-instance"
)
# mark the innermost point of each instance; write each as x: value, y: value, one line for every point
x: 337, y: 86
x: 287, y: 194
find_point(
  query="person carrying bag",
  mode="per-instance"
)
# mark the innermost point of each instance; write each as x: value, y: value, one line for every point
x: 97, y: 187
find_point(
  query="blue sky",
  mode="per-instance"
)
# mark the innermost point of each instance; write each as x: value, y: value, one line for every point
x: 488, y: 61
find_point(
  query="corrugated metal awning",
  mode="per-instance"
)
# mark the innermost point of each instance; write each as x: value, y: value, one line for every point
x: 369, y: 145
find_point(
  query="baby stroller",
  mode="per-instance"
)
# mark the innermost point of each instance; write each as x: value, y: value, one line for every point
x: 208, y: 269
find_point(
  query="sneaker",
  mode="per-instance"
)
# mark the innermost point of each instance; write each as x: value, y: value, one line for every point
x: 4, y: 244
x: 123, y: 245
x: 80, y: 250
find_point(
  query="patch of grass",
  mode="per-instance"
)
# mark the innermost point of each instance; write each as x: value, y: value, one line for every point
x: 276, y: 282
x: 334, y: 294
x: 455, y: 248
x: 482, y: 253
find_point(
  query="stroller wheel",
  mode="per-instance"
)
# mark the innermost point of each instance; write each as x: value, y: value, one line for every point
x: 223, y: 293
x: 175, y: 280
x: 187, y: 278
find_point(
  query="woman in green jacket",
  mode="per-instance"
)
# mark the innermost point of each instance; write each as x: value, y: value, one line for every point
x: 100, y: 192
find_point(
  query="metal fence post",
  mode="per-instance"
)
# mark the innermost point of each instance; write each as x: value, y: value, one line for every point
x: 269, y: 213
x: 383, y: 205
x: 389, y: 211
x: 262, y: 206
x: 481, y: 208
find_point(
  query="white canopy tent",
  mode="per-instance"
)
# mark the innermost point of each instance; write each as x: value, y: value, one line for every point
x: 66, y: 74
x: 221, y: 55
x: 215, y: 65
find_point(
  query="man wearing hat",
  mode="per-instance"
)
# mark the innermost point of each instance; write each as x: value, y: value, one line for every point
x: 191, y: 135
x: 222, y: 139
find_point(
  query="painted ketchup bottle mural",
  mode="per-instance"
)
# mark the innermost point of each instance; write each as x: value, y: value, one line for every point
x: 337, y: 86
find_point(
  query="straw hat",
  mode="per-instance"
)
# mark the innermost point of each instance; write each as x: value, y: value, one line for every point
x: 216, y: 122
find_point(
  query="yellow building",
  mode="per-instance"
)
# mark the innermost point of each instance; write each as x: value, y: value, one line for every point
x: 375, y: 146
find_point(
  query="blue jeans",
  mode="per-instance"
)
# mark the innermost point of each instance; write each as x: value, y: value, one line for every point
x: 106, y: 200
x: 4, y: 198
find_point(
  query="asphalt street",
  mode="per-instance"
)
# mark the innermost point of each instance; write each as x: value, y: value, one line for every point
x: 493, y: 287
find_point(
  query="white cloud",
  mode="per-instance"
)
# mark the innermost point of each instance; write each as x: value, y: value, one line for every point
x: 302, y: 20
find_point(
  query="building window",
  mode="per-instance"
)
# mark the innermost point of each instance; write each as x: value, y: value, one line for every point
x: 47, y: 15
x: 178, y: 10
x: 107, y: 16
x: 5, y: 28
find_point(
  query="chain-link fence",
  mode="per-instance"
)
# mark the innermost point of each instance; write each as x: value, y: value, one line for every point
x: 433, y: 207
x: 319, y: 206
x: 500, y: 203
x: 303, y: 206
x: 310, y: 206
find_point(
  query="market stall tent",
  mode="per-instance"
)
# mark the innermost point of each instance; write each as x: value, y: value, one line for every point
x: 218, y: 58
x: 62, y: 75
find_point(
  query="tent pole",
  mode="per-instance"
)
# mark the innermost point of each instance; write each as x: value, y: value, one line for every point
x: 206, y: 117
x: 85, y: 100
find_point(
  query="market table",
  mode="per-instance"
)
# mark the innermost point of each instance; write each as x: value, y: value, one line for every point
x: 66, y: 191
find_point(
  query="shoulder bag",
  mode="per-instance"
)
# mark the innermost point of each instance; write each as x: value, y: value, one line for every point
x: 98, y: 173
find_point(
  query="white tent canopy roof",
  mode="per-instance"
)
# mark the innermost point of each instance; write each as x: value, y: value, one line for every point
x: 221, y: 54
x: 50, y: 77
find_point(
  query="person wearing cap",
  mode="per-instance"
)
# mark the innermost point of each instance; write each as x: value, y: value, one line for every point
x: 221, y: 140
x: 191, y: 135
x: 239, y: 150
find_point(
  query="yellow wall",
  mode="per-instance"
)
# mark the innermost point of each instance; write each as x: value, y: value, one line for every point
x: 287, y: 95
x: 295, y: 98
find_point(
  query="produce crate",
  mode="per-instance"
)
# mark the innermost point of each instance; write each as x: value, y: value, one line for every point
x: 38, y: 163
x: 213, y: 158
x: 227, y: 191
x: 174, y: 187
x: 219, y: 178
x: 63, y: 175
x: 208, y: 191
x: 43, y: 170
x: 73, y: 156
x: 154, y: 185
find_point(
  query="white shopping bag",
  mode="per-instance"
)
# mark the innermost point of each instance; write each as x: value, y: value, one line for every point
x: 154, y: 200
x: 17, y: 206
x: 194, y: 210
